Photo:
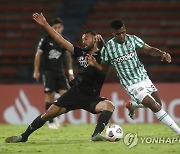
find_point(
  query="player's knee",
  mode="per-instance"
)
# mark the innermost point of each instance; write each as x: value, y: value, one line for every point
x: 146, y: 100
x: 52, y: 112
x: 47, y: 116
x: 109, y: 106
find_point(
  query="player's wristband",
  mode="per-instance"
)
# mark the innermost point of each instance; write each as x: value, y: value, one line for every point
x: 70, y: 71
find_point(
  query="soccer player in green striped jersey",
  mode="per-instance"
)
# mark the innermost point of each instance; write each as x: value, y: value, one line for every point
x: 120, y: 52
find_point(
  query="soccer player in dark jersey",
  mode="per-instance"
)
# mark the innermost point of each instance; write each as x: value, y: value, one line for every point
x: 85, y: 88
x: 52, y: 56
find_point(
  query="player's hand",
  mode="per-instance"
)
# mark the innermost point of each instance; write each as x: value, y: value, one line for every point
x: 39, y: 18
x: 91, y: 60
x: 71, y: 77
x: 100, y: 41
x: 166, y: 56
x: 98, y: 38
x: 36, y: 75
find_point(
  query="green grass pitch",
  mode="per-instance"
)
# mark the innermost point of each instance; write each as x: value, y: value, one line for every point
x: 74, y: 139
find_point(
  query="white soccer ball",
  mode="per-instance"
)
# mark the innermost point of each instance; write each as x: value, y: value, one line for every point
x: 114, y: 133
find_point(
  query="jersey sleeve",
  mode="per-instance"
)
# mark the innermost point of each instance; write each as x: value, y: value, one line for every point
x: 138, y: 42
x: 41, y: 44
x: 104, y: 54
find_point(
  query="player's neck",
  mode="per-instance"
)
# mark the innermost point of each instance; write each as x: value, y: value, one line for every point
x: 93, y: 50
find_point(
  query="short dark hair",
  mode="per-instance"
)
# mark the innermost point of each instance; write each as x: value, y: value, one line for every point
x: 56, y: 21
x: 117, y: 24
x: 91, y: 31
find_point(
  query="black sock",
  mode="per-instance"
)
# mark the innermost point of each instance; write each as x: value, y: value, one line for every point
x: 47, y: 105
x: 102, y: 121
x: 37, y: 123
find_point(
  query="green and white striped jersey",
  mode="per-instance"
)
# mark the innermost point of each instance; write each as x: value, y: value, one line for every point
x: 124, y: 59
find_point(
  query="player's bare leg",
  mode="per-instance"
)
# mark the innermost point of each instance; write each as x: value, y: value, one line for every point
x: 52, y: 112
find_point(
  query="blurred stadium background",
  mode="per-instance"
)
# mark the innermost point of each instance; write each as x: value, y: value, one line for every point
x: 155, y: 21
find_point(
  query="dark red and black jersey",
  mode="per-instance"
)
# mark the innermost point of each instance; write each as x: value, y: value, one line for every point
x: 53, y: 55
x: 88, y: 78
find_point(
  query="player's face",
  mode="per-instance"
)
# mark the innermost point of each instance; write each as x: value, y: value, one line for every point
x: 119, y: 34
x: 88, y: 41
x: 58, y: 28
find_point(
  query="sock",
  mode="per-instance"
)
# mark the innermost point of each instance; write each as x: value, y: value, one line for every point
x: 36, y: 124
x: 102, y: 121
x: 135, y: 105
x: 166, y: 119
x: 47, y: 105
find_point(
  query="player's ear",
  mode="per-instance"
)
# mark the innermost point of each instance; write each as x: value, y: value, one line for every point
x: 62, y: 27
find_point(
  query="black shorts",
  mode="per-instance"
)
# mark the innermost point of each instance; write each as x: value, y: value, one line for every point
x: 54, y: 81
x: 75, y: 98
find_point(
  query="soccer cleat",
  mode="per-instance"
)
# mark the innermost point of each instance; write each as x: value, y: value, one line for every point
x: 130, y: 109
x: 98, y: 137
x: 15, y: 139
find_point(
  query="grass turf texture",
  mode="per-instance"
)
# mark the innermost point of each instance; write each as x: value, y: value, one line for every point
x: 74, y: 139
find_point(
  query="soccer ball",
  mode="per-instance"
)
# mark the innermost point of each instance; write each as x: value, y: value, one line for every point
x: 114, y: 133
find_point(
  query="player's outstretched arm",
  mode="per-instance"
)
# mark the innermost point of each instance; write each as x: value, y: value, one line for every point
x: 156, y: 52
x: 40, y: 19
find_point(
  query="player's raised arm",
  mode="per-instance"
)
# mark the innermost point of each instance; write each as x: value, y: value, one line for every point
x: 156, y: 52
x: 40, y: 19
x: 100, y: 41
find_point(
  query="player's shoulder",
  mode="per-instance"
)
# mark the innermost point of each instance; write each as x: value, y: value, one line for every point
x: 132, y: 36
x: 41, y: 42
x: 42, y: 39
x: 111, y: 40
x: 129, y: 35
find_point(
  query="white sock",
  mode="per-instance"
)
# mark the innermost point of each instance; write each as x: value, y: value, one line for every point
x: 135, y: 105
x: 166, y: 119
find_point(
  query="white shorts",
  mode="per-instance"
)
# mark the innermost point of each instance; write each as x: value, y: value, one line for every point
x: 141, y: 89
